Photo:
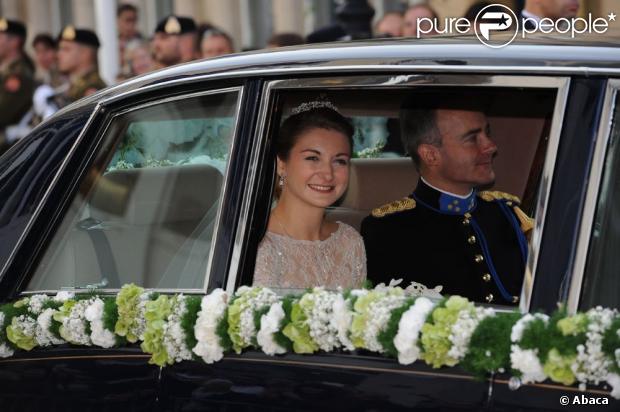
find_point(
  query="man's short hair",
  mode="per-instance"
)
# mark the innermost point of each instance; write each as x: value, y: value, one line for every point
x: 44, y: 39
x: 418, y: 117
x: 123, y: 7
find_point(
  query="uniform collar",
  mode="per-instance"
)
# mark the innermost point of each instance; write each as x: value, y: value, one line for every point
x: 442, y: 201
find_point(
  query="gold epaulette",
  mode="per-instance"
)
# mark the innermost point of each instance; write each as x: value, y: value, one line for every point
x: 490, y: 196
x: 405, y: 203
x: 527, y: 223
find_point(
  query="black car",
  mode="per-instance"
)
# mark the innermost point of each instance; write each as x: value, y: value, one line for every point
x: 166, y: 181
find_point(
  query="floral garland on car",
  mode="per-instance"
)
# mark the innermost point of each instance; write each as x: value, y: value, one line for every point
x: 577, y: 349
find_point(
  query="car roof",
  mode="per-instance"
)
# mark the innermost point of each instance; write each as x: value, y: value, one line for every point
x: 548, y: 54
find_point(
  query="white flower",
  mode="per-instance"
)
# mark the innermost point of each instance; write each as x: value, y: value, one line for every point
x: 43, y: 334
x: 526, y: 361
x: 174, y: 335
x: 265, y: 297
x: 63, y: 296
x: 36, y: 302
x: 341, y: 321
x: 463, y: 328
x: 99, y: 335
x: 381, y: 310
x: 73, y: 327
x: 270, y: 324
x: 213, y: 307
x: 613, y: 380
x: 409, y: 327
x: 5, y: 350
x: 592, y: 364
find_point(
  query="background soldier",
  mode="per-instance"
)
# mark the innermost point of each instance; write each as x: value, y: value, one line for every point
x: 77, y: 58
x: 174, y: 41
x: 16, y: 79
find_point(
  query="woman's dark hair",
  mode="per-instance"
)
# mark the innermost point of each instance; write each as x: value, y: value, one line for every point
x: 297, y: 124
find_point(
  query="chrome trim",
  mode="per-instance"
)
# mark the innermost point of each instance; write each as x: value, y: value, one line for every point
x: 544, y: 192
x: 237, y: 89
x: 41, y: 204
x: 257, y: 149
x: 594, y: 185
x: 360, y: 68
x: 406, y: 79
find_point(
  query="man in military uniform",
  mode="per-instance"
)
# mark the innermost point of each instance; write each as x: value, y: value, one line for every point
x: 16, y: 78
x: 77, y: 58
x: 174, y: 41
x: 447, y: 232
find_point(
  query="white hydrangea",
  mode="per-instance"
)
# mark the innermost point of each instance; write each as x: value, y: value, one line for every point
x: 592, y: 365
x: 174, y: 335
x: 526, y: 361
x: 270, y: 324
x: 409, y: 327
x: 43, y: 334
x: 99, y: 335
x: 213, y: 307
x: 73, y: 327
x: 322, y: 331
x: 381, y: 310
x: 36, y: 302
x: 463, y: 328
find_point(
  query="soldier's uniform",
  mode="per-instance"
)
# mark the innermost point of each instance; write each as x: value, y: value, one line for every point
x: 16, y: 82
x: 86, y: 84
x: 474, y: 247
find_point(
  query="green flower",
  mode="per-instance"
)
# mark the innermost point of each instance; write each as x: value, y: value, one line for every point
x: 21, y: 303
x: 298, y: 330
x: 59, y: 316
x: 16, y: 334
x: 127, y: 301
x: 558, y: 367
x: 241, y: 302
x: 435, y: 339
x: 573, y: 325
x: 156, y: 313
x: 362, y: 315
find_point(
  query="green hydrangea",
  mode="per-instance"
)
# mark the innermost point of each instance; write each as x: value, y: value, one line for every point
x: 298, y: 330
x: 573, y: 325
x: 157, y: 312
x: 16, y: 334
x: 558, y: 367
x: 242, y: 301
x: 363, y: 316
x: 435, y: 338
x: 63, y: 312
x: 127, y: 301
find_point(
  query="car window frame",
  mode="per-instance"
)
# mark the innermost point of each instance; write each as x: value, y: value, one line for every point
x: 403, y: 79
x: 100, y: 136
x: 595, y: 181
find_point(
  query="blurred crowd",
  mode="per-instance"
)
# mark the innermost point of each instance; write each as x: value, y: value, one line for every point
x: 65, y: 68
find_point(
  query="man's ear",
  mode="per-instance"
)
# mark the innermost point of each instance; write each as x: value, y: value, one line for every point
x: 429, y: 154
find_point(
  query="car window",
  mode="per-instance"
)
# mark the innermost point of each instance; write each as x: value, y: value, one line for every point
x: 601, y: 282
x: 381, y: 172
x: 147, y: 210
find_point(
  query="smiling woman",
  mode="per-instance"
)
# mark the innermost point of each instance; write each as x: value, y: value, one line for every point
x: 301, y: 248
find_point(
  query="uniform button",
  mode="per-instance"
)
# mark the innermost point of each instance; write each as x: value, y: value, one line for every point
x: 489, y: 298
x: 515, y: 299
x: 478, y: 258
x: 471, y: 240
x: 486, y: 277
x: 466, y: 221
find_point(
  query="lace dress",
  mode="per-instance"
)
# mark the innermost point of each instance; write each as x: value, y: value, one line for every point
x: 339, y: 260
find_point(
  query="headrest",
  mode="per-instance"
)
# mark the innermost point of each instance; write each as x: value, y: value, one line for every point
x: 374, y: 182
x: 156, y: 195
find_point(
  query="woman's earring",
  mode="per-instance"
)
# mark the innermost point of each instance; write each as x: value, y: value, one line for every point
x: 281, y: 181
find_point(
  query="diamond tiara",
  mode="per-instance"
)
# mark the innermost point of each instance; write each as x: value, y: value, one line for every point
x: 315, y: 104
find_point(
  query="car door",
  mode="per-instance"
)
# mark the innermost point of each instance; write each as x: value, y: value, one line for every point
x: 151, y: 205
x: 360, y: 380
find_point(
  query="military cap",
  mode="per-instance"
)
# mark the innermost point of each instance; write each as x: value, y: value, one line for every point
x: 82, y: 36
x: 176, y: 25
x: 12, y: 27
